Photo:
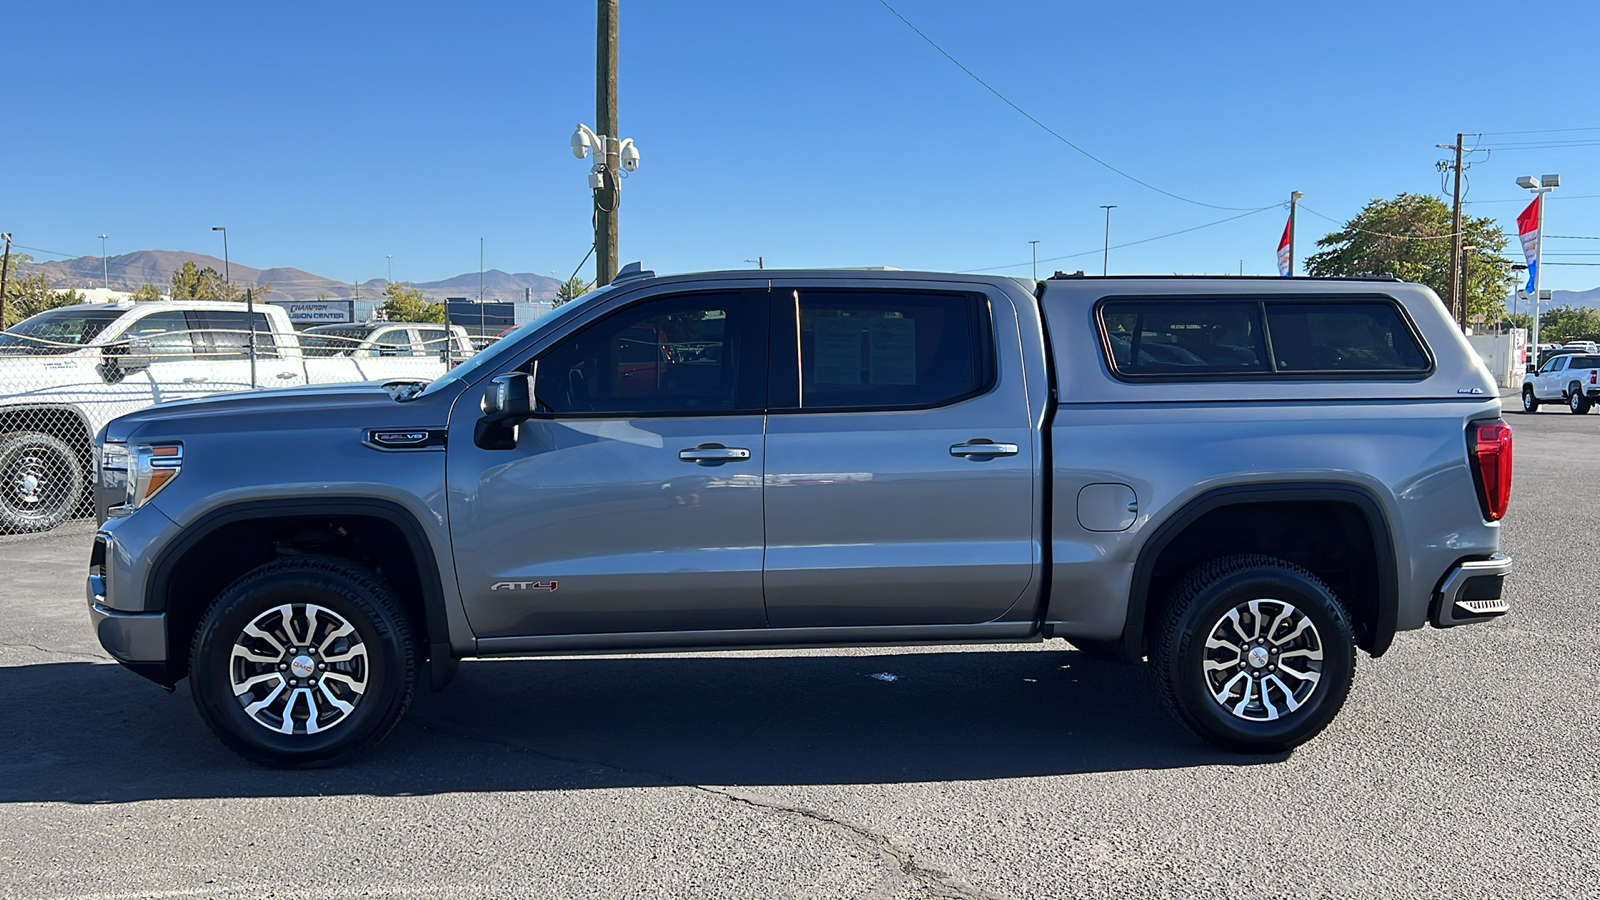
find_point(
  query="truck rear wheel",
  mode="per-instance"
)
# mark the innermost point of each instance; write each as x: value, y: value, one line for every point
x: 1255, y: 654
x: 303, y: 661
x: 1530, y: 402
x: 1576, y: 401
x: 41, y: 482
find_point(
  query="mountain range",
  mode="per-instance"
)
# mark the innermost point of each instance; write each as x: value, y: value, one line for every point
x: 129, y: 271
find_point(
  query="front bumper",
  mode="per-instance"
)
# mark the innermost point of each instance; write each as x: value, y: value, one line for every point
x: 130, y: 637
x: 1472, y: 591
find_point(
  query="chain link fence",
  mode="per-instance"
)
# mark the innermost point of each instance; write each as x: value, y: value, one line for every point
x: 61, y: 381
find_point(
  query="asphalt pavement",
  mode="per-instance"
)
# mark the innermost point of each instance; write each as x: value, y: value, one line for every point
x: 1465, y: 764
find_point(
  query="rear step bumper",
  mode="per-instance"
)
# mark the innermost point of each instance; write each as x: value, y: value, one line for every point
x: 1472, y: 592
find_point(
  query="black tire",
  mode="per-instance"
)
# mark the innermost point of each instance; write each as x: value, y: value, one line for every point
x: 1530, y: 403
x: 1577, y: 403
x: 1202, y: 601
x: 343, y: 590
x: 41, y: 482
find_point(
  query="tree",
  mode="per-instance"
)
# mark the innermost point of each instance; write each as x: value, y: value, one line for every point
x: 1569, y: 323
x: 191, y: 282
x: 574, y: 288
x: 1409, y: 238
x: 146, y: 293
x: 29, y: 293
x: 407, y: 304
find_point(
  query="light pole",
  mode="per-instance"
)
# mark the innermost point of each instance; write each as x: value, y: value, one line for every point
x: 1034, y: 245
x: 760, y: 261
x: 1539, y: 186
x: 390, y: 258
x: 226, y: 276
x: 1516, y: 297
x: 104, y: 277
x: 1105, y: 258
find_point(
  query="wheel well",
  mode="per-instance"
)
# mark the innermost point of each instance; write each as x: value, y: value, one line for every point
x: 1333, y: 539
x: 53, y: 420
x: 204, y: 569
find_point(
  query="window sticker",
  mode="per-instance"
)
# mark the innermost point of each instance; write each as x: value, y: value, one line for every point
x: 893, y: 351
x: 837, y: 350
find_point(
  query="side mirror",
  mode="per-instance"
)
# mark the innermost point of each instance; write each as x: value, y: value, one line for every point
x: 506, y: 405
x: 122, y: 360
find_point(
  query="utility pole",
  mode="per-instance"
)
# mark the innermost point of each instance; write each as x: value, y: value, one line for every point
x: 606, y: 195
x: 5, y: 269
x: 1294, y: 201
x: 1105, y: 256
x: 1035, y: 246
x: 1458, y: 299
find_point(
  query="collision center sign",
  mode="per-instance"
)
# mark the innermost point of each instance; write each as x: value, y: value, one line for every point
x: 318, y: 312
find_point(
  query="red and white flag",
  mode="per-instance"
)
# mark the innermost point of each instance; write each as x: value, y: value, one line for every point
x: 1528, y: 229
x: 1284, y: 248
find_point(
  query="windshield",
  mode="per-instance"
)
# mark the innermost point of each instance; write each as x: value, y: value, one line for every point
x: 57, y: 331
x: 469, y: 369
x: 332, y: 340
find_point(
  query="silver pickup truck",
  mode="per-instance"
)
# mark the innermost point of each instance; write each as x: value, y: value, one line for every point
x: 1242, y: 480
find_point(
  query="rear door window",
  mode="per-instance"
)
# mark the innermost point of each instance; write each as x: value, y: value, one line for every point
x: 884, y: 349
x: 225, y: 334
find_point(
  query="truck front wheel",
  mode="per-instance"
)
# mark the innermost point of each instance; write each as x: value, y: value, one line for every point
x: 41, y: 482
x: 1255, y: 654
x: 303, y: 661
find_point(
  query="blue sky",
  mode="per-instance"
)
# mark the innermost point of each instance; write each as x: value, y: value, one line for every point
x: 329, y: 135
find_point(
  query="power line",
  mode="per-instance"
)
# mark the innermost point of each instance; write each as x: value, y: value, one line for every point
x: 1573, y: 237
x: 1399, y: 237
x: 1546, y: 130
x: 1564, y: 199
x: 1127, y: 244
x: 1050, y: 131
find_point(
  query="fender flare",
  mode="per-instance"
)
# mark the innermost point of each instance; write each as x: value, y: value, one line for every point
x: 443, y: 661
x: 1139, y: 600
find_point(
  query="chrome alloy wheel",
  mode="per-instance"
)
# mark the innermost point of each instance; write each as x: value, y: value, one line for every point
x: 30, y: 479
x: 299, y: 668
x: 1263, y: 659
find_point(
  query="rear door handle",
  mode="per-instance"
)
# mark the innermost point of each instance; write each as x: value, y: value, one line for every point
x: 713, y: 454
x: 195, y: 379
x: 286, y: 375
x: 983, y: 447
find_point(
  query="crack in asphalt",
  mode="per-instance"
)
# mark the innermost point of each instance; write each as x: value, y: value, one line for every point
x: 53, y: 651
x: 939, y: 884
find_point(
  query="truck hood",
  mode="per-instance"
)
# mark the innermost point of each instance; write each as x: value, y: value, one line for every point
x: 367, y: 404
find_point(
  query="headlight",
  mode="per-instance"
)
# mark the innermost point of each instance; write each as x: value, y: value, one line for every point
x: 111, y: 464
x: 154, y: 466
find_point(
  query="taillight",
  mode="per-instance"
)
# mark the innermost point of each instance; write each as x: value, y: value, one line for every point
x: 1592, y: 374
x: 1489, y: 445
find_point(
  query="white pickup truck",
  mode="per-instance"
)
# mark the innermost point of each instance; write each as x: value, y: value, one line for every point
x: 1570, y: 378
x: 66, y: 372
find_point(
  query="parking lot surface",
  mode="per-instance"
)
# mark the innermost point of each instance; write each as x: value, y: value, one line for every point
x: 1465, y: 764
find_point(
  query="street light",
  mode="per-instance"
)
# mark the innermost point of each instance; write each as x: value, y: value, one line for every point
x: 1105, y: 259
x: 390, y: 258
x: 1539, y: 186
x: 104, y: 277
x: 225, y: 274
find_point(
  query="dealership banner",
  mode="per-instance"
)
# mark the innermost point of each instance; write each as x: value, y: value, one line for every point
x: 1528, y: 225
x: 1286, y: 247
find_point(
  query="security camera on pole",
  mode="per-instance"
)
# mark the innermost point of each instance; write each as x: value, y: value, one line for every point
x: 610, y: 152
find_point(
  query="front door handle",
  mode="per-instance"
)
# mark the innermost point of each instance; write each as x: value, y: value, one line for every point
x: 195, y: 379
x: 286, y: 375
x: 983, y: 447
x: 713, y: 454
